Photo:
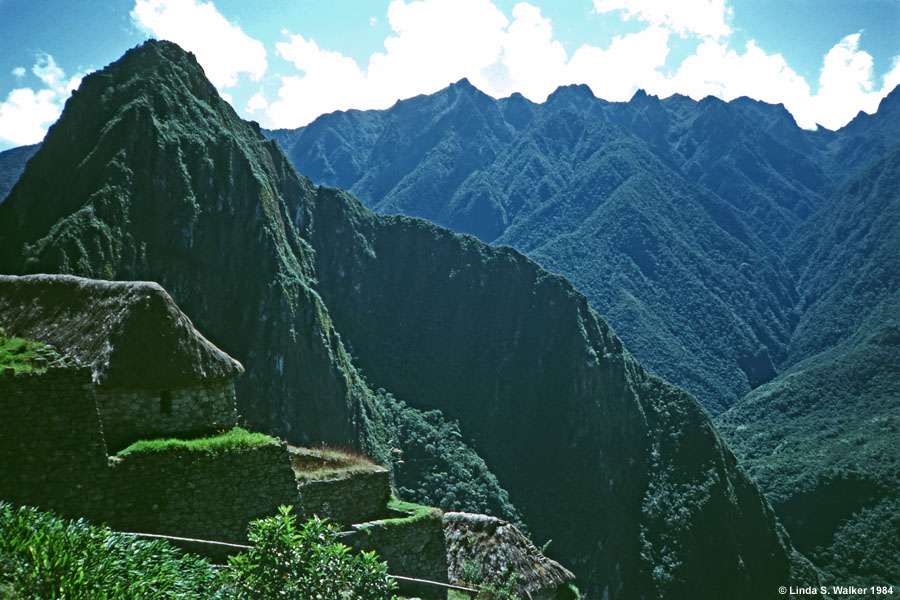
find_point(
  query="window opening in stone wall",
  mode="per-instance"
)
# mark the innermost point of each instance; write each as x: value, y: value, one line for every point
x: 165, y: 402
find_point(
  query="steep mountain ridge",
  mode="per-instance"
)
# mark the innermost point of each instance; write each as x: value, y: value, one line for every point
x: 150, y: 175
x: 584, y: 422
x: 109, y: 218
x: 545, y: 179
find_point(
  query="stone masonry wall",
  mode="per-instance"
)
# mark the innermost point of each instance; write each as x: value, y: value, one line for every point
x: 412, y: 547
x: 53, y: 455
x: 130, y: 415
x: 51, y: 443
x: 201, y: 495
x: 353, y: 499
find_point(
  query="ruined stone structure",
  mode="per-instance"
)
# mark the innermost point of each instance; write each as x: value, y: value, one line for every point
x: 129, y: 365
x: 155, y: 374
x: 355, y: 498
x: 51, y: 443
x: 132, y: 366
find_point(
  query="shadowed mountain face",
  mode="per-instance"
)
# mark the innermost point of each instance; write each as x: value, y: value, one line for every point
x: 12, y: 163
x: 149, y: 175
x: 171, y: 187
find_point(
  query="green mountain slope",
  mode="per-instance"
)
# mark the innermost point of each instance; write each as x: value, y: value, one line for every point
x: 821, y: 439
x: 850, y: 256
x: 722, y: 242
x: 672, y: 267
x: 566, y: 428
x: 689, y: 283
x: 149, y: 175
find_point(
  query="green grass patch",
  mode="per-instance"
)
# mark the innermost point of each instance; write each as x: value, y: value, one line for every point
x: 235, y: 439
x: 411, y: 513
x: 24, y: 355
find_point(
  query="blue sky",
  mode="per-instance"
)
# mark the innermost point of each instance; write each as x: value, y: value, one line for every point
x: 284, y: 62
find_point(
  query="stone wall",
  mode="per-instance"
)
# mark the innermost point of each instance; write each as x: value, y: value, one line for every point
x: 130, y: 415
x: 53, y: 455
x: 412, y: 546
x: 355, y: 498
x: 201, y: 495
x: 51, y: 443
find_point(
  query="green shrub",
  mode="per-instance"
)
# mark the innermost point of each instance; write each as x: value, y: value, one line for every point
x: 45, y: 557
x: 301, y: 564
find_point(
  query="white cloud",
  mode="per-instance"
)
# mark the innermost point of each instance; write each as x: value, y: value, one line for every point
x: 892, y: 79
x: 846, y: 85
x: 257, y: 103
x: 705, y: 18
x: 534, y: 61
x: 715, y: 70
x: 331, y: 82
x: 18, y: 72
x: 437, y: 42
x: 53, y: 77
x: 630, y: 63
x: 222, y: 48
x: 27, y: 113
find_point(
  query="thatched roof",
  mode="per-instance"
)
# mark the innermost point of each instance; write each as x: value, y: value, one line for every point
x: 490, y: 544
x: 130, y: 333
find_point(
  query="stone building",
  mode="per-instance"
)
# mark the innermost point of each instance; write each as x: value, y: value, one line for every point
x: 154, y: 374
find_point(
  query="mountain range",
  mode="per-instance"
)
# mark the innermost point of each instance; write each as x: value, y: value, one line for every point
x: 486, y: 382
x: 737, y: 255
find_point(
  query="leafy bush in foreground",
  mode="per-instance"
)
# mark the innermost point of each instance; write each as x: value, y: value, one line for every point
x: 307, y: 563
x: 45, y: 557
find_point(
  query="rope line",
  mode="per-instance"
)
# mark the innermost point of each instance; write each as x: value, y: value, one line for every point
x: 449, y: 586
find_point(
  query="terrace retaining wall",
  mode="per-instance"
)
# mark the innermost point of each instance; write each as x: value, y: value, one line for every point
x: 353, y: 498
